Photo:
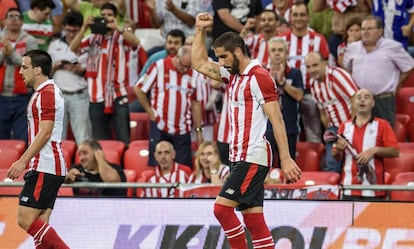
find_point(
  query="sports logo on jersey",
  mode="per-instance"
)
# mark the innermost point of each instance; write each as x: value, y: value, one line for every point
x: 230, y: 191
x: 24, y: 198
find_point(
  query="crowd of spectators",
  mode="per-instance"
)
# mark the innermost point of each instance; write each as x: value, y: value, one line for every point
x: 317, y: 71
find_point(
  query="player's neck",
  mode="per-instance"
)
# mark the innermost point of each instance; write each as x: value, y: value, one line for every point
x: 244, y: 62
x: 39, y: 81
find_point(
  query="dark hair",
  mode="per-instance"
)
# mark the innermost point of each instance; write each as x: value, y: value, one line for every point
x: 177, y: 33
x: 230, y: 41
x: 73, y: 18
x: 272, y: 12
x: 42, y: 4
x: 377, y: 20
x: 14, y: 9
x: 40, y: 59
x: 93, y: 143
x: 349, y: 24
x: 110, y: 6
x: 299, y: 3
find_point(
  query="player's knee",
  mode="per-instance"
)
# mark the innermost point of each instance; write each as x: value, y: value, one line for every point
x: 221, y: 211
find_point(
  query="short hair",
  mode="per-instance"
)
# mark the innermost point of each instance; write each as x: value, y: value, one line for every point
x: 230, y: 41
x: 377, y: 20
x: 73, y: 18
x: 177, y: 33
x: 93, y: 143
x: 42, y: 4
x: 15, y: 9
x: 272, y: 12
x: 280, y: 40
x: 110, y: 6
x: 299, y: 3
x: 42, y: 59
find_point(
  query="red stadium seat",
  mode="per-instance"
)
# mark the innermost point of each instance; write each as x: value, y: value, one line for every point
x: 409, y: 81
x: 69, y: 150
x: 319, y: 178
x: 18, y: 145
x: 136, y: 157
x: 131, y: 176
x: 400, y: 127
x: 10, y: 191
x: 403, y: 163
x: 309, y: 155
x: 8, y: 156
x: 209, y: 191
x: 403, y: 178
x: 139, y: 125
x: 405, y: 102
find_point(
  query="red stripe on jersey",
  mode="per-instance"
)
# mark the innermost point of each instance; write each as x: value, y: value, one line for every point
x: 249, y: 177
x: 38, y: 186
x: 58, y: 166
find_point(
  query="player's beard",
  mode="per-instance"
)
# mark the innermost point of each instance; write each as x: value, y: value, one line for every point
x: 235, y: 65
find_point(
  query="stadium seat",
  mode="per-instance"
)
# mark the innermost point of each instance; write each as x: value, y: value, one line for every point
x: 136, y: 157
x: 131, y: 176
x: 309, y: 155
x: 403, y: 178
x: 113, y: 150
x: 403, y: 163
x: 405, y: 102
x: 209, y: 191
x: 10, y: 191
x: 139, y: 125
x: 409, y: 81
x: 69, y: 150
x: 8, y: 156
x: 19, y: 145
x: 400, y: 127
x: 319, y: 178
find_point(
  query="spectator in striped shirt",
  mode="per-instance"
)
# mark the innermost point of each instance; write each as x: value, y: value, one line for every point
x: 173, y: 104
x: 333, y: 89
x: 167, y: 171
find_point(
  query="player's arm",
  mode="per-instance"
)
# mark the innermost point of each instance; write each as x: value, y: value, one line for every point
x: 45, y: 132
x: 272, y: 110
x: 199, y: 57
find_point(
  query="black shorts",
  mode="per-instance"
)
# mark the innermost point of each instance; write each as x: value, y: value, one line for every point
x: 245, y: 184
x: 40, y: 189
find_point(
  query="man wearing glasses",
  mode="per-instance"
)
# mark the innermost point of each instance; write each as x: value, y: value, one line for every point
x: 173, y: 103
x: 379, y: 65
x: 14, y: 95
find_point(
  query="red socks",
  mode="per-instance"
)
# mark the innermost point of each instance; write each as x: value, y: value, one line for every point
x: 45, y: 236
x: 261, y: 236
x: 233, y: 229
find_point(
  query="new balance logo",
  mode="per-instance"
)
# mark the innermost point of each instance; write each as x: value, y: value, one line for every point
x: 229, y: 191
x: 24, y: 199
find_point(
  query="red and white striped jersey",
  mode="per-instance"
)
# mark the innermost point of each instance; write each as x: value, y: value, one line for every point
x: 257, y: 45
x: 223, y: 171
x: 176, y: 175
x: 47, y: 103
x: 204, y: 91
x: 223, y: 133
x: 299, y: 47
x: 171, y: 96
x: 247, y: 92
x: 334, y: 93
x: 107, y: 65
x: 377, y: 132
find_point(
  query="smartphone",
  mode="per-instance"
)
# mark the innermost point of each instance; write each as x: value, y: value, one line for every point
x: 99, y: 26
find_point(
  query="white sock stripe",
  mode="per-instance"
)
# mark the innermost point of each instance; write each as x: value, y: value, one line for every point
x: 235, y: 235
x: 43, y: 234
x: 259, y: 240
x: 39, y: 231
x: 234, y: 229
x: 266, y: 245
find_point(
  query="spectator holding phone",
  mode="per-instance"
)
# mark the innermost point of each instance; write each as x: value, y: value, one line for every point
x: 94, y: 168
x: 363, y: 143
x: 107, y: 75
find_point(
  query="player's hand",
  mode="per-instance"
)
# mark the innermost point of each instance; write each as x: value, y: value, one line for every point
x: 250, y: 23
x: 291, y: 171
x: 16, y: 169
x: 204, y: 21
